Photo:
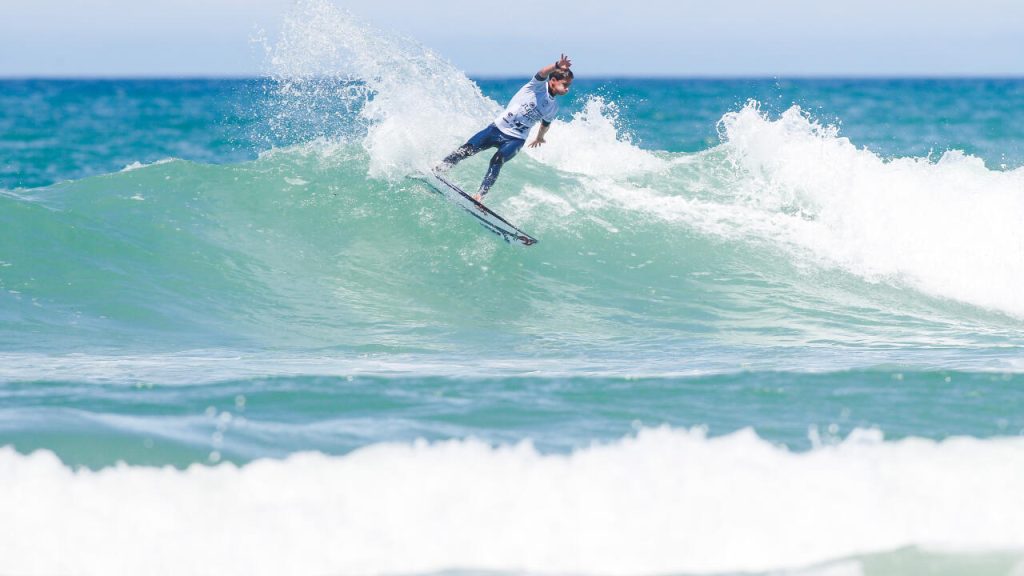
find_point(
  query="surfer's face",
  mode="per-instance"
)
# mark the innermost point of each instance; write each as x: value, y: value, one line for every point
x: 559, y: 87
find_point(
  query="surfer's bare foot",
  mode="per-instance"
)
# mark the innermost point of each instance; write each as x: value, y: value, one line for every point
x: 478, y: 198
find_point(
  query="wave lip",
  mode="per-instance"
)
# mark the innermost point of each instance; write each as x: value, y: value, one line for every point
x: 664, y: 501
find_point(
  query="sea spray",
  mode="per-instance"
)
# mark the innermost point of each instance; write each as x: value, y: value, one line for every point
x: 405, y: 103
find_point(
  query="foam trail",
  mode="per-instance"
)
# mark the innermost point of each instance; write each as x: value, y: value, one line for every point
x: 665, y: 501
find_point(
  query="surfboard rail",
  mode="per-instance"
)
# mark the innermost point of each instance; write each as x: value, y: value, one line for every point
x: 484, y: 215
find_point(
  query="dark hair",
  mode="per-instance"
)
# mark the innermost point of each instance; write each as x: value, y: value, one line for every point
x: 561, y: 74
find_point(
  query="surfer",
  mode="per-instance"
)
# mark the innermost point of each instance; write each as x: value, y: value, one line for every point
x: 534, y: 101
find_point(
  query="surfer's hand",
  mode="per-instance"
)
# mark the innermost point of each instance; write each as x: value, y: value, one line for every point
x: 537, y: 142
x: 564, y: 63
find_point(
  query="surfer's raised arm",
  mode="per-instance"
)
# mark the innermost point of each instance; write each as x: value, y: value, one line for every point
x: 534, y: 102
x: 562, y: 64
x: 559, y: 77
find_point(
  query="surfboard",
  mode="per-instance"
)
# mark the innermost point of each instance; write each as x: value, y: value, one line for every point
x: 484, y: 215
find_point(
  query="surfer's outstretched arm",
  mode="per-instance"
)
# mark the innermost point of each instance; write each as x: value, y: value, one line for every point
x: 540, y: 135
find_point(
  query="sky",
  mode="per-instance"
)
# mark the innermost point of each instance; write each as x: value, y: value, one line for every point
x: 717, y: 38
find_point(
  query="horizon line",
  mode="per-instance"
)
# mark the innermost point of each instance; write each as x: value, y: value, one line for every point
x: 596, y: 77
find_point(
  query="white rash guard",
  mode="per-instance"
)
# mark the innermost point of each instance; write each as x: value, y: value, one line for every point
x: 531, y: 104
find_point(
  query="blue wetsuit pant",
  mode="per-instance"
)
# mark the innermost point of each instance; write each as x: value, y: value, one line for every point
x: 489, y: 137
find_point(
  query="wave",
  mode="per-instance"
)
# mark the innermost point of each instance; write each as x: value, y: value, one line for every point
x: 785, y: 233
x: 663, y: 501
x: 303, y: 247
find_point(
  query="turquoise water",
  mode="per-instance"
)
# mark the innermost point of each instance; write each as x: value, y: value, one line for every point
x: 772, y: 326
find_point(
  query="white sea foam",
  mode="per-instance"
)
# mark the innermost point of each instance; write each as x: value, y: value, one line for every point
x: 591, y: 143
x: 665, y: 501
x: 136, y: 165
x: 950, y: 227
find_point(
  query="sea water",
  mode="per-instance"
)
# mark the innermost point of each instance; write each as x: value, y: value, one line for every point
x: 772, y: 326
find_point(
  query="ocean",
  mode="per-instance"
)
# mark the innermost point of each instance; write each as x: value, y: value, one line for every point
x: 772, y: 326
